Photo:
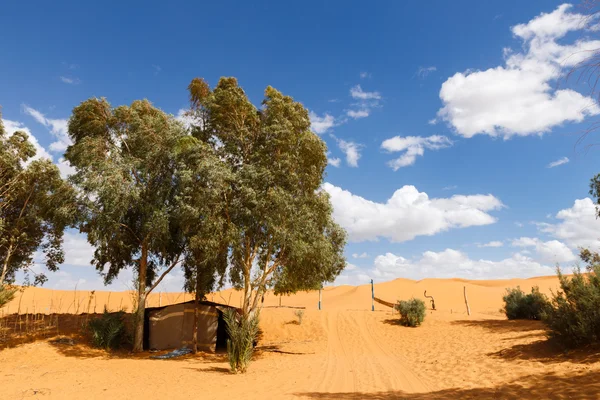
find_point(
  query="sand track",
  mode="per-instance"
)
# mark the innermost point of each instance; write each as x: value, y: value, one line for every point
x: 357, y: 362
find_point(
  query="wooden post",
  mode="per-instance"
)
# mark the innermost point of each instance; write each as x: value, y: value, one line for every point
x: 320, y: 298
x: 372, y: 296
x: 279, y: 300
x: 466, y: 300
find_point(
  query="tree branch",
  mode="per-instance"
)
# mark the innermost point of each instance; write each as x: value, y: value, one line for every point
x: 163, y: 275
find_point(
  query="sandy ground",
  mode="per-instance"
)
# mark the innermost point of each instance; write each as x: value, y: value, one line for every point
x: 344, y: 351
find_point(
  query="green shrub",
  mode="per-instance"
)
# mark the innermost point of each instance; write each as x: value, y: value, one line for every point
x: 412, y: 312
x: 109, y: 331
x: 518, y: 305
x: 574, y: 316
x: 242, y: 338
x: 7, y: 293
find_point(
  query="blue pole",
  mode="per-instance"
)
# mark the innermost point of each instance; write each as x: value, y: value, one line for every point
x: 372, y: 296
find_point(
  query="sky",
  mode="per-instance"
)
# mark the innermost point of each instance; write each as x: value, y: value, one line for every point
x: 453, y: 128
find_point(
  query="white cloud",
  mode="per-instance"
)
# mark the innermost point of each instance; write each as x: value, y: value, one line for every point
x: 13, y: 126
x: 408, y: 213
x: 352, y: 151
x: 493, y: 243
x: 364, y: 75
x: 70, y: 81
x: 358, y: 93
x: 361, y: 255
x: 519, y: 97
x: 448, y: 263
x: 322, y: 124
x: 412, y: 146
x: 357, y: 114
x: 185, y: 119
x: 58, y: 128
x: 422, y: 72
x: 335, y: 161
x: 578, y: 225
x: 451, y: 187
x: 551, y: 251
x: 558, y: 162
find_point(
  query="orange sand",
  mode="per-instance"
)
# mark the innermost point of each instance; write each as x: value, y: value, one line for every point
x: 344, y: 351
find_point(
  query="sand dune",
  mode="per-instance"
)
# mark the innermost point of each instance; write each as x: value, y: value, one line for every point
x: 343, y: 351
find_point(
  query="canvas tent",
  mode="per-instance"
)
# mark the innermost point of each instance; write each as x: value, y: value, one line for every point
x: 171, y: 326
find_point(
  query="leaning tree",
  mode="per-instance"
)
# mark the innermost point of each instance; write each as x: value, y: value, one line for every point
x: 36, y: 206
x: 281, y: 234
x: 132, y: 182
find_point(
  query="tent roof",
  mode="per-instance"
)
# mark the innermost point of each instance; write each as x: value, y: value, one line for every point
x: 203, y: 302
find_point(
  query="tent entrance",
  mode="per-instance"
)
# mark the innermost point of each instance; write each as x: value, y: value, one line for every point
x: 222, y: 335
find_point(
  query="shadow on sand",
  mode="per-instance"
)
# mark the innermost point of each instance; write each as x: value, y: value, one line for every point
x: 546, y: 386
x: 502, y: 325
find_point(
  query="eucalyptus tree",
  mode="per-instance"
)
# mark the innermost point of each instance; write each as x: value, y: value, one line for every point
x: 281, y: 233
x: 132, y: 190
x: 36, y: 206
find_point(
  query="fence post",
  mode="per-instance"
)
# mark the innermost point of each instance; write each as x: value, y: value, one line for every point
x: 466, y: 300
x: 320, y: 298
x: 372, y: 296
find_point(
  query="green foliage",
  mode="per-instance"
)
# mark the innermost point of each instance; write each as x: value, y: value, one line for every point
x: 412, y: 312
x: 574, y: 318
x: 279, y: 230
x: 243, y: 332
x: 142, y: 182
x: 109, y: 331
x: 7, y: 294
x: 300, y: 315
x: 518, y: 305
x: 36, y: 206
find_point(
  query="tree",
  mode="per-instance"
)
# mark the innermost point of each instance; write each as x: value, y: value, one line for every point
x: 281, y: 231
x: 131, y: 182
x: 36, y: 206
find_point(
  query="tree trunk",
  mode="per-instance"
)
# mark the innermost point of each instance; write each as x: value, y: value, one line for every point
x: 196, y: 299
x: 5, y: 264
x: 138, y: 340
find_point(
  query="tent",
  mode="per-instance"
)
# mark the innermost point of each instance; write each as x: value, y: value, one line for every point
x: 171, y: 326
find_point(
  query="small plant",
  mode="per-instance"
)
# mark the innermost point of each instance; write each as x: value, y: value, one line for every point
x: 108, y: 331
x: 300, y: 315
x: 574, y: 316
x: 518, y: 305
x: 242, y: 332
x: 412, y: 312
x: 7, y: 294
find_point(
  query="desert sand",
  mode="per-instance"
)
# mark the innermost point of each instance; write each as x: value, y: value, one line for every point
x: 344, y: 351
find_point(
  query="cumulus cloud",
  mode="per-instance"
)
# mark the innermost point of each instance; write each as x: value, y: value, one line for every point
x: 366, y: 101
x: 364, y: 75
x: 408, y: 213
x: 520, y: 97
x: 322, y: 124
x: 412, y: 146
x: 558, y: 162
x: 551, y: 251
x: 448, y: 263
x: 58, y: 128
x: 361, y: 255
x: 578, y: 226
x: 351, y: 150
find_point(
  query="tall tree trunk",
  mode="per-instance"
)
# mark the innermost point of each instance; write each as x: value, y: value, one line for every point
x: 5, y: 264
x: 196, y: 300
x: 138, y: 339
x: 247, y: 291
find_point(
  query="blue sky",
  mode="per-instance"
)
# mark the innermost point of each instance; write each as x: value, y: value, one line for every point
x: 441, y: 121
